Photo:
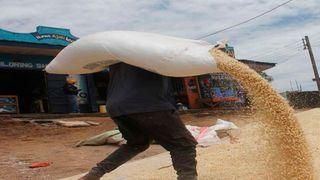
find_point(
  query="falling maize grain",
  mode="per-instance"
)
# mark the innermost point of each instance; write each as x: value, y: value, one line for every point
x: 271, y: 147
x: 291, y: 157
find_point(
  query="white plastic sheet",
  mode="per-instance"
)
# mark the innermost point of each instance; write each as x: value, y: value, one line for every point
x: 207, y: 136
x: 165, y: 55
x: 224, y: 125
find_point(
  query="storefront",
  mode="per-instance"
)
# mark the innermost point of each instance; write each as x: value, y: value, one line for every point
x: 216, y: 89
x: 24, y: 86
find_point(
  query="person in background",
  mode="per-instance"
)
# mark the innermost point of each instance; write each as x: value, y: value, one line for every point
x: 71, y: 91
x: 139, y: 102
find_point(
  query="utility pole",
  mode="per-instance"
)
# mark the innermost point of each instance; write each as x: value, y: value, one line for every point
x: 291, y: 86
x: 306, y: 44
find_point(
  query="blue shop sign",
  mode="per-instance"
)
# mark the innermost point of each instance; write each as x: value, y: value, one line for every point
x: 24, y: 62
x: 43, y: 35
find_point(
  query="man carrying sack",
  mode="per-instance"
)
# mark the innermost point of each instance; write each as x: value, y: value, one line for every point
x: 140, y: 104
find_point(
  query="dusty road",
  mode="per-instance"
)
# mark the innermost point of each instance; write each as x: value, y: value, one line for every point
x: 24, y: 143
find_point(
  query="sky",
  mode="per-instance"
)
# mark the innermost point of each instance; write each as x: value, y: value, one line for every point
x: 275, y: 37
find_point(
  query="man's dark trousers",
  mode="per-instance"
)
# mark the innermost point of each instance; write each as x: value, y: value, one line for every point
x: 167, y: 129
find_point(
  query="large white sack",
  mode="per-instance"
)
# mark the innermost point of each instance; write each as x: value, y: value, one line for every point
x: 165, y: 55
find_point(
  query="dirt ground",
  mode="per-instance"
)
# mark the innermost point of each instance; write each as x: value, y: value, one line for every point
x: 23, y: 143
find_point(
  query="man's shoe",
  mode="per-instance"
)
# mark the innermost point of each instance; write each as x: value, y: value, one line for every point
x: 90, y: 177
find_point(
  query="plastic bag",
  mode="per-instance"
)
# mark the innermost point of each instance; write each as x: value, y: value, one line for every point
x: 109, y: 137
x: 224, y: 125
x: 205, y: 136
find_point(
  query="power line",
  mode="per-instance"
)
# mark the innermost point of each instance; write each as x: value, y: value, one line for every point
x: 278, y: 55
x: 283, y: 50
x: 293, y: 46
x: 284, y: 57
x: 274, y: 52
x: 280, y: 50
x: 315, y: 41
x: 289, y: 58
x: 273, y: 56
x: 255, y: 17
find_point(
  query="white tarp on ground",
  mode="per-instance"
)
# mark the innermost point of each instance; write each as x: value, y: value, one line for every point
x: 207, y: 136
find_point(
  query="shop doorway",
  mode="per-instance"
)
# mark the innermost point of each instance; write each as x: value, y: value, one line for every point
x: 28, y: 85
x: 101, y: 80
x: 179, y: 92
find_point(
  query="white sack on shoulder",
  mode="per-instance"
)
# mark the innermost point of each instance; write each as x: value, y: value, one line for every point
x: 164, y: 55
